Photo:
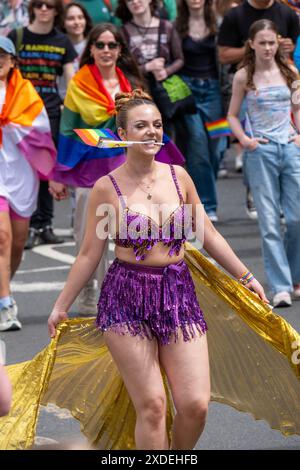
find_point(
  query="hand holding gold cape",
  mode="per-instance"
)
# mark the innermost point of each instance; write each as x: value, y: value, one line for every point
x: 254, y: 364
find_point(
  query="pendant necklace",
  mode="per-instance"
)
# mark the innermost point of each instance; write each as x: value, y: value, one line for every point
x: 148, y: 186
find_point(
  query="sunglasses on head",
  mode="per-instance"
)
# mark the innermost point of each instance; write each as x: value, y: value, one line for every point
x: 39, y: 5
x: 101, y: 45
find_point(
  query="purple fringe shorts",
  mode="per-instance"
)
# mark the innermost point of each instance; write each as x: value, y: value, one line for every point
x: 150, y: 301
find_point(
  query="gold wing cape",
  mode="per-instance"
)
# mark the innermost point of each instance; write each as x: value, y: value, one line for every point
x: 254, y: 360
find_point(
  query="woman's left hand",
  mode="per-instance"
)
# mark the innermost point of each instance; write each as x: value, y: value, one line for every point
x: 258, y: 289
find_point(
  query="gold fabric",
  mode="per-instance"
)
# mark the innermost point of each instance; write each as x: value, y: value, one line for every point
x: 251, y: 351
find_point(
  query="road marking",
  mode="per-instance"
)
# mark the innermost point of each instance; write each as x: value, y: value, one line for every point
x: 27, y: 287
x: 48, y: 251
x: 41, y: 270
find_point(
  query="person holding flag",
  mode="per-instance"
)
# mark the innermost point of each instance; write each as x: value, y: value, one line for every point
x: 26, y: 152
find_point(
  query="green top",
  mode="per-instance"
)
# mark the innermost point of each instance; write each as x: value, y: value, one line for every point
x: 100, y: 12
x: 171, y: 7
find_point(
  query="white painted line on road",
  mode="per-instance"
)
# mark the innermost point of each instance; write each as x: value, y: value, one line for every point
x: 41, y: 270
x: 63, y: 232
x: 49, y: 252
x: 28, y: 287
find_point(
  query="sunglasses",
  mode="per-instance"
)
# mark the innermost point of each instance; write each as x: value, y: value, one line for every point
x: 111, y: 45
x: 39, y: 5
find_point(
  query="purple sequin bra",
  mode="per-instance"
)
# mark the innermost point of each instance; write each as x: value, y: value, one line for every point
x: 141, y: 232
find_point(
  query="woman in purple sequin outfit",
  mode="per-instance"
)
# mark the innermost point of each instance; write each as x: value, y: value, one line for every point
x: 148, y: 310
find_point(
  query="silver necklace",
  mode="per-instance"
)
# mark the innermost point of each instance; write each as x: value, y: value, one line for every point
x: 148, y: 186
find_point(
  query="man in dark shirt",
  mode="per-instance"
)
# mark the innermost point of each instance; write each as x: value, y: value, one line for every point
x: 44, y: 53
x: 236, y: 23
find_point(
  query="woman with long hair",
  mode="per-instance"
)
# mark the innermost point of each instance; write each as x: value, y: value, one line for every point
x: 105, y: 67
x: 272, y: 153
x: 77, y: 25
x: 196, y: 25
x: 155, y: 46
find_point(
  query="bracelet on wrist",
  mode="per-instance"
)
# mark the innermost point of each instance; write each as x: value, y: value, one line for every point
x: 246, y: 278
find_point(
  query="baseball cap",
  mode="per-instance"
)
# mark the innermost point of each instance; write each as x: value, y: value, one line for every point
x: 7, y: 45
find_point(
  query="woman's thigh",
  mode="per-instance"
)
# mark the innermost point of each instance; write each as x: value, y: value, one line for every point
x: 187, y: 367
x: 138, y: 363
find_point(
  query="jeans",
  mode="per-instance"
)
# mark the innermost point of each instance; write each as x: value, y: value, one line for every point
x: 203, y: 154
x: 273, y: 172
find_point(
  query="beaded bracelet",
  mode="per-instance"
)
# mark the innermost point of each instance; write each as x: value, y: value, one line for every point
x: 246, y: 278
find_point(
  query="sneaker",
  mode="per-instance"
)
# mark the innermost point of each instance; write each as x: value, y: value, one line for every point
x: 48, y: 236
x: 87, y: 301
x: 282, y: 299
x: 33, y: 239
x: 238, y: 165
x: 296, y: 292
x: 222, y: 173
x: 250, y: 207
x: 213, y: 217
x: 8, y: 318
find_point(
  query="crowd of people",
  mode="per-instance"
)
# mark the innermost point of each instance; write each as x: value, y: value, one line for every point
x: 111, y: 65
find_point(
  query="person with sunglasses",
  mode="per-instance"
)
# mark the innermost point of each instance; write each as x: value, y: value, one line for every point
x: 44, y: 54
x: 106, y: 68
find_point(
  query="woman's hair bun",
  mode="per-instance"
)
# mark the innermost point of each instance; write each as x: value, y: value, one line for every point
x: 123, y: 99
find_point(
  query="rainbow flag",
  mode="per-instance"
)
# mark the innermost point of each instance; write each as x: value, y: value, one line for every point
x: 89, y: 106
x: 219, y: 128
x: 24, y: 124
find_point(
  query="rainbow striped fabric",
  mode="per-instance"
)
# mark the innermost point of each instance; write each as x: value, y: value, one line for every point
x: 89, y: 106
x: 219, y: 128
x: 25, y: 124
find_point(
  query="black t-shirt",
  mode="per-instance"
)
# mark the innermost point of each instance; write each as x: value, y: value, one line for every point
x: 200, y: 57
x: 41, y: 60
x: 235, y: 26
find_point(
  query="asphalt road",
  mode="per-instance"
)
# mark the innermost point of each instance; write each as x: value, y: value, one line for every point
x: 42, y: 274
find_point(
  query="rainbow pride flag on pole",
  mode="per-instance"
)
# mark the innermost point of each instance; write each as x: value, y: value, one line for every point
x: 219, y: 128
x: 89, y: 107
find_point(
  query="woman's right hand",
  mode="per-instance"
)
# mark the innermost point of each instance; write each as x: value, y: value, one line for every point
x: 55, y: 317
x: 251, y: 144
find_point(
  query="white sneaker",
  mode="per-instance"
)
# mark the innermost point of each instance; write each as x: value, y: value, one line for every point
x: 8, y: 318
x: 250, y: 207
x: 87, y: 301
x: 282, y: 299
x: 213, y: 217
x: 238, y: 163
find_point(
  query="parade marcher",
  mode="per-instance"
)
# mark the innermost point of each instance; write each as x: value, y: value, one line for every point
x: 26, y: 147
x: 196, y: 25
x: 89, y: 102
x: 148, y: 292
x: 140, y: 379
x: 106, y: 69
x: 272, y: 153
x: 44, y: 54
x: 233, y: 34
